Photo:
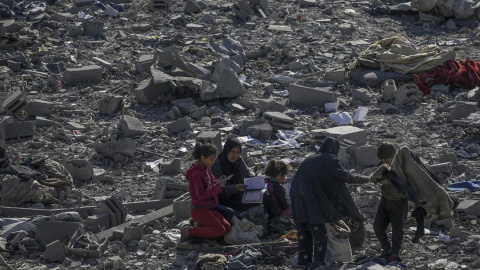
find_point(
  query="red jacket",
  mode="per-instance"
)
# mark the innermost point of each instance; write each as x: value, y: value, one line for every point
x: 203, y: 186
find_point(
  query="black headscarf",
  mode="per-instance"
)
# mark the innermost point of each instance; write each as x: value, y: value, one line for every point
x: 331, y: 146
x: 229, y: 168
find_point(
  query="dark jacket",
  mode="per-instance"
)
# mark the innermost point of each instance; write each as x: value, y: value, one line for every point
x: 318, y: 192
x: 276, y: 200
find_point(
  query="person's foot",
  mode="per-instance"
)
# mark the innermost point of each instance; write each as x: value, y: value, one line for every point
x: 184, y: 235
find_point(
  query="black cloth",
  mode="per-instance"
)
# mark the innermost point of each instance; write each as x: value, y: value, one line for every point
x: 276, y: 200
x: 394, y: 213
x: 23, y: 172
x: 419, y: 214
x: 318, y: 192
x: 229, y: 196
x: 312, y: 243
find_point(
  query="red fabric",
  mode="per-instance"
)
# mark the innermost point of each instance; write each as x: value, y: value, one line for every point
x: 211, y: 224
x: 203, y: 186
x: 464, y: 75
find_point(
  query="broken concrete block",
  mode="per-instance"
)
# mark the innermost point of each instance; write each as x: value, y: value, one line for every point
x: 407, y: 93
x: 93, y: 28
x: 228, y: 84
x: 133, y: 232
x: 212, y: 137
x: 358, y: 135
x: 366, y: 156
x: 192, y: 7
x: 450, y: 25
x: 110, y: 104
x: 361, y: 94
x: 181, y: 207
x: 280, y: 28
x: 299, y: 94
x: 449, y: 157
x: 13, y: 103
x: 469, y: 207
x: 55, y: 251
x: 462, y: 110
x: 199, y: 112
x: 70, y: 125
x: 445, y: 167
x: 43, y: 122
x: 179, y: 125
x: 208, y: 91
x: 447, y: 223
x: 149, y: 92
x: 79, y: 169
x: 17, y: 129
x: 336, y: 75
x: 112, y: 148
x: 91, y: 73
x: 270, y: 105
x: 98, y: 223
x: 80, y: 3
x: 388, y: 90
x: 104, y: 63
x: 242, y: 10
x: 167, y: 189
x: 14, y: 66
x: 258, y: 128
x: 131, y: 126
x: 144, y: 63
x: 11, y: 26
x: 172, y: 166
x: 40, y: 107
x: 49, y: 231
x: 279, y: 120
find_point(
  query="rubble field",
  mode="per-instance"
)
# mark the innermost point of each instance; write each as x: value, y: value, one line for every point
x: 119, y: 92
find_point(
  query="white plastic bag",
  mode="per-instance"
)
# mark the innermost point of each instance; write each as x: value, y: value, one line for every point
x: 338, y: 249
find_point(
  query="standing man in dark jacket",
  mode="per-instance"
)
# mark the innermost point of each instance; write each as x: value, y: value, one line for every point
x: 392, y: 209
x: 319, y: 196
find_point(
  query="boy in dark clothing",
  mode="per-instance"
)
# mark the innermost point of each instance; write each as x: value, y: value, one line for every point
x: 392, y: 210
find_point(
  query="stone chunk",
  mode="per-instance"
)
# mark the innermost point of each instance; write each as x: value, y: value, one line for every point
x: 366, y: 156
x: 131, y: 126
x: 259, y: 129
x: 279, y: 120
x: 98, y: 223
x: 172, y: 166
x: 358, y: 135
x: 79, y: 169
x: 49, y: 231
x: 336, y: 75
x: 42, y: 122
x: 310, y: 96
x: 449, y: 157
x: 445, y: 167
x: 110, y: 104
x: 270, y: 105
x: 388, y: 90
x: 242, y: 10
x: 462, y: 110
x: 133, y: 232
x: 55, y: 251
x: 40, y: 107
x: 17, y: 129
x: 149, y: 92
x: 228, y: 84
x: 361, y: 94
x: 447, y: 223
x: 92, y: 28
x: 407, y: 93
x: 469, y: 207
x: 91, y: 73
x: 13, y: 103
x: 212, y: 137
x: 181, y: 207
x: 179, y: 125
x: 144, y: 63
x: 280, y: 28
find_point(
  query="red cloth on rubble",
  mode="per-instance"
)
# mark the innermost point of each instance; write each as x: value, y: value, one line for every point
x: 465, y: 74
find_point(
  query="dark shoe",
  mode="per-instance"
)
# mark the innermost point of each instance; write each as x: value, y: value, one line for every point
x: 184, y: 236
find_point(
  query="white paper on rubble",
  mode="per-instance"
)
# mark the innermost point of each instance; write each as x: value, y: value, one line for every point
x: 360, y: 114
x: 155, y: 163
x: 331, y: 107
x: 341, y: 118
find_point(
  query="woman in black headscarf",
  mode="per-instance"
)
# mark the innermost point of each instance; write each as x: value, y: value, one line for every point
x: 319, y: 196
x: 230, y: 163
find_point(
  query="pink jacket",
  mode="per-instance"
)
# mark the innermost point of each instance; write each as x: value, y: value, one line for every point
x: 203, y: 186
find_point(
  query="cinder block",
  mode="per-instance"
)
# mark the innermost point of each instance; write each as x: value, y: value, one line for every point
x: 160, y: 4
x: 279, y: 121
x: 407, y: 93
x: 172, y: 166
x: 258, y: 128
x: 144, y: 63
x: 92, y: 28
x: 49, y: 231
x: 55, y: 251
x: 336, y: 75
x: 14, y: 102
x: 388, y: 90
x: 121, y: 208
x: 91, y: 73
x: 179, y: 125
x: 212, y: 137
x: 168, y: 189
x: 131, y: 126
x: 445, y: 167
x: 17, y: 129
x: 303, y: 95
x: 98, y: 223
x: 469, y: 207
x: 358, y: 135
x: 43, y: 122
x: 366, y: 156
x: 148, y: 92
x: 181, y: 207
x: 40, y: 107
x: 271, y: 105
x: 462, y: 110
x: 110, y: 104
x: 132, y: 232
x: 79, y: 169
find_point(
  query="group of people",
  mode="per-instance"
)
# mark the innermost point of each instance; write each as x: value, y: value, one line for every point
x: 318, y: 196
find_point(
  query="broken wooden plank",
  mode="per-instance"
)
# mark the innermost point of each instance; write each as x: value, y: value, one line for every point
x: 142, y: 220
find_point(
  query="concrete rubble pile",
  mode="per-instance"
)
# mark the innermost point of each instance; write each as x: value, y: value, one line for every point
x: 118, y: 93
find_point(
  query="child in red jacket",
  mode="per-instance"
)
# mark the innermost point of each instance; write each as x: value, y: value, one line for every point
x: 204, y: 189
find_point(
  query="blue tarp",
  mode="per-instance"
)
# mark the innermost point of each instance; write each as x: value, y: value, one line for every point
x: 472, y: 185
